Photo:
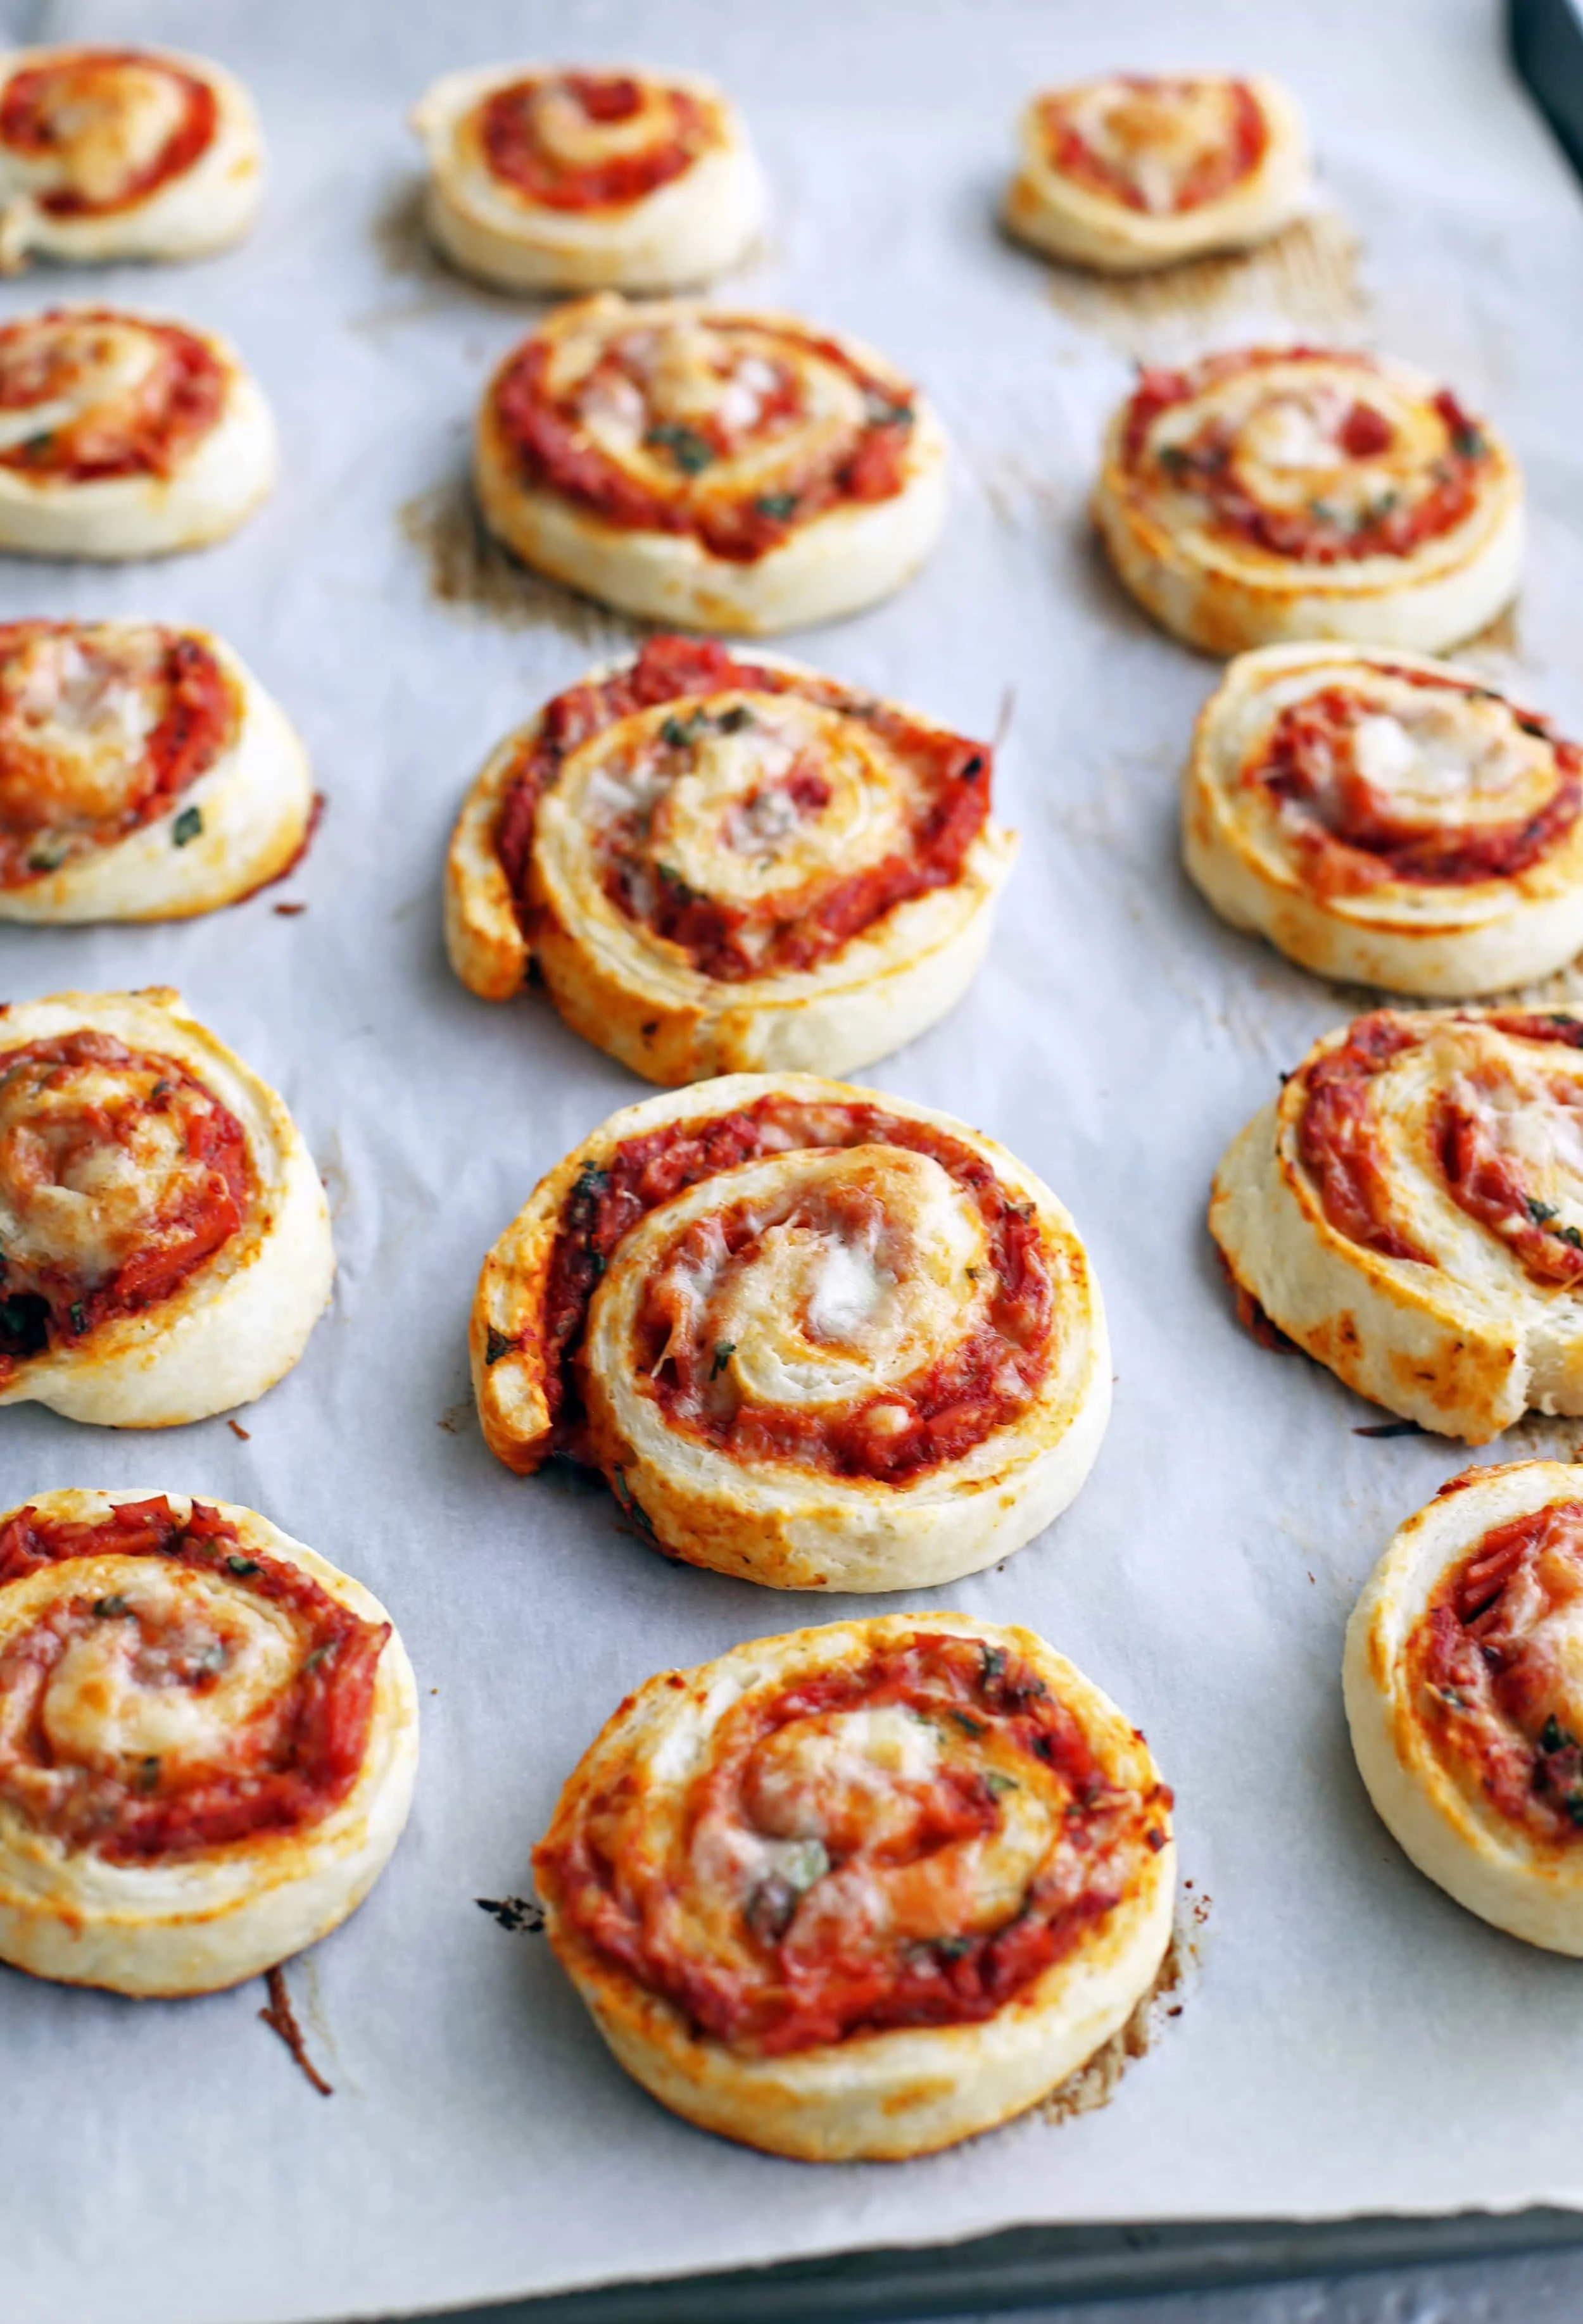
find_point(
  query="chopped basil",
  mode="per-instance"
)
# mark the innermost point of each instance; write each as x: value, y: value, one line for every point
x: 776, y: 506
x: 994, y: 1658
x: 999, y: 1783
x: 953, y: 1948
x: 1468, y: 441
x: 724, y: 1351
x: 1553, y: 1736
x: 674, y: 881
x: 772, y: 1907
x: 241, y: 1565
x: 1571, y: 1235
x: 732, y: 721
x: 50, y: 857
x: 79, y: 1315
x: 187, y: 825
x: 884, y: 414
x: 690, y: 451
x: 107, y: 1608
x: 495, y: 1346
x: 319, y: 1655
x: 1175, y: 459
x: 682, y: 733
x: 1540, y: 1213
x: 1458, y: 1701
x: 968, y: 1725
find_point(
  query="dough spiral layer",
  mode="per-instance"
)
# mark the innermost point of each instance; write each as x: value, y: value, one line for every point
x: 1387, y: 820
x: 737, y: 472
x: 1294, y: 494
x: 164, y: 1242
x: 108, y: 153
x: 1409, y: 1210
x: 144, y: 774
x: 811, y: 1334
x: 1137, y: 170
x: 543, y: 179
x: 860, y: 1892
x: 1464, y: 1681
x: 721, y: 865
x: 208, y: 1741
x: 121, y: 436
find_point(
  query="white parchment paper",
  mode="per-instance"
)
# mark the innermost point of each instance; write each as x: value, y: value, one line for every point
x: 1354, y: 2043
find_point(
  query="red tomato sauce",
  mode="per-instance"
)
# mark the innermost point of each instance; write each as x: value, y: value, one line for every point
x: 148, y: 1812
x: 30, y: 100
x: 1214, y: 175
x: 149, y: 433
x: 519, y: 157
x: 1338, y: 1142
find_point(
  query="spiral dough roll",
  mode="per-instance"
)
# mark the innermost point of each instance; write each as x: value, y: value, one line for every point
x: 860, y: 1892
x: 208, y: 1741
x: 1410, y: 1210
x: 722, y: 865
x: 724, y: 470
x: 1274, y: 494
x: 811, y: 1335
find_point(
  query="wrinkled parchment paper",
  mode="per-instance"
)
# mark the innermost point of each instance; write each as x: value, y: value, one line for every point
x: 1351, y: 2041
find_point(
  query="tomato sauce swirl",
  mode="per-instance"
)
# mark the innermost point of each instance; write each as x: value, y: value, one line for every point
x: 519, y: 155
x: 33, y: 101
x: 1215, y: 173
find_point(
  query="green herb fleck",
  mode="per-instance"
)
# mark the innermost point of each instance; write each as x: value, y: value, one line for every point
x: 682, y: 733
x: 1540, y: 1212
x: 690, y: 451
x: 50, y: 857
x: 776, y: 506
x: 1175, y: 459
x: 187, y: 825
x: 1553, y: 1736
x: 884, y: 412
x: 319, y: 1655
x: 148, y: 1774
x: 993, y: 1658
x: 243, y: 1565
x: 1573, y: 1804
x: 1468, y: 441
x: 495, y: 1346
x: 999, y: 1783
x: 1571, y: 1235
x: 1449, y: 1694
x: 953, y: 1948
x: 79, y: 1315
x: 968, y: 1725
x: 674, y: 881
x: 107, y: 1608
x: 732, y: 721
x: 724, y: 1351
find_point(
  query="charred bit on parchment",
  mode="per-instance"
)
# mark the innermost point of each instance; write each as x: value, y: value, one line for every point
x: 282, y: 2019
x: 518, y: 1916
x: 1093, y: 2084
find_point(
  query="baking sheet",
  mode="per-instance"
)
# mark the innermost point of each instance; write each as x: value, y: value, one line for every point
x: 1351, y: 2042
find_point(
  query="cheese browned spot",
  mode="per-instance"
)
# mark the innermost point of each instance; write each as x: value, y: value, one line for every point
x: 1162, y: 145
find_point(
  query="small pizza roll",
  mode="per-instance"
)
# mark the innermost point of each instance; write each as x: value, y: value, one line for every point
x: 164, y: 1242
x: 123, y: 436
x: 1276, y: 494
x: 860, y: 1892
x: 1138, y: 171
x: 722, y: 865
x: 144, y: 774
x: 1387, y: 820
x: 811, y: 1334
x: 726, y: 471
x: 1410, y: 1210
x: 1464, y: 1683
x: 208, y: 1741
x: 109, y: 153
x: 542, y: 180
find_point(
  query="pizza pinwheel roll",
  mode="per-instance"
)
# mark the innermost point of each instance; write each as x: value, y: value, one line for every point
x: 1137, y: 170
x: 208, y: 1741
x: 1463, y: 1684
x: 108, y: 153
x: 738, y: 472
x: 1387, y: 820
x: 1409, y: 1210
x: 543, y: 179
x: 811, y: 1334
x: 1296, y: 493
x: 860, y: 1892
x: 121, y: 436
x: 164, y: 1242
x: 722, y: 866
x: 144, y: 774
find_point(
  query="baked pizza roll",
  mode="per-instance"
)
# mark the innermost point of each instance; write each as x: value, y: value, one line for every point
x: 1410, y: 1210
x: 860, y: 1892
x: 164, y: 1242
x: 543, y: 179
x: 1387, y: 820
x: 1295, y: 493
x: 726, y: 471
x: 811, y: 1334
x: 144, y: 774
x: 208, y: 1741
x: 1463, y: 1684
x: 124, y: 436
x: 1138, y: 171
x: 723, y: 865
x: 108, y: 153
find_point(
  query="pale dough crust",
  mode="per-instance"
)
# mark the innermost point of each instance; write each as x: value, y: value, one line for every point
x: 1506, y: 1874
x: 242, y: 1317
x: 208, y: 207
x: 1069, y: 220
x: 212, y: 1918
x: 777, y: 1523
x: 696, y: 226
x: 1412, y: 936
x: 831, y: 564
x: 878, y: 2097
x: 254, y: 804
x: 637, y: 997
x: 1226, y: 595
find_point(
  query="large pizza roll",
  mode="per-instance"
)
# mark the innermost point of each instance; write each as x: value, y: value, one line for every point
x: 164, y: 1242
x: 121, y: 436
x: 144, y: 774
x: 738, y: 472
x: 811, y: 1334
x: 1387, y: 820
x: 1410, y: 1210
x: 208, y: 1741
x: 723, y: 865
x: 109, y: 153
x: 1137, y: 170
x: 543, y: 179
x: 860, y: 1892
x: 1275, y: 494
x: 1464, y: 1683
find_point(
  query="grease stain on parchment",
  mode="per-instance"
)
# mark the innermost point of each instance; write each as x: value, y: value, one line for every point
x: 468, y: 569
x: 1308, y: 275
x: 1094, y: 2085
